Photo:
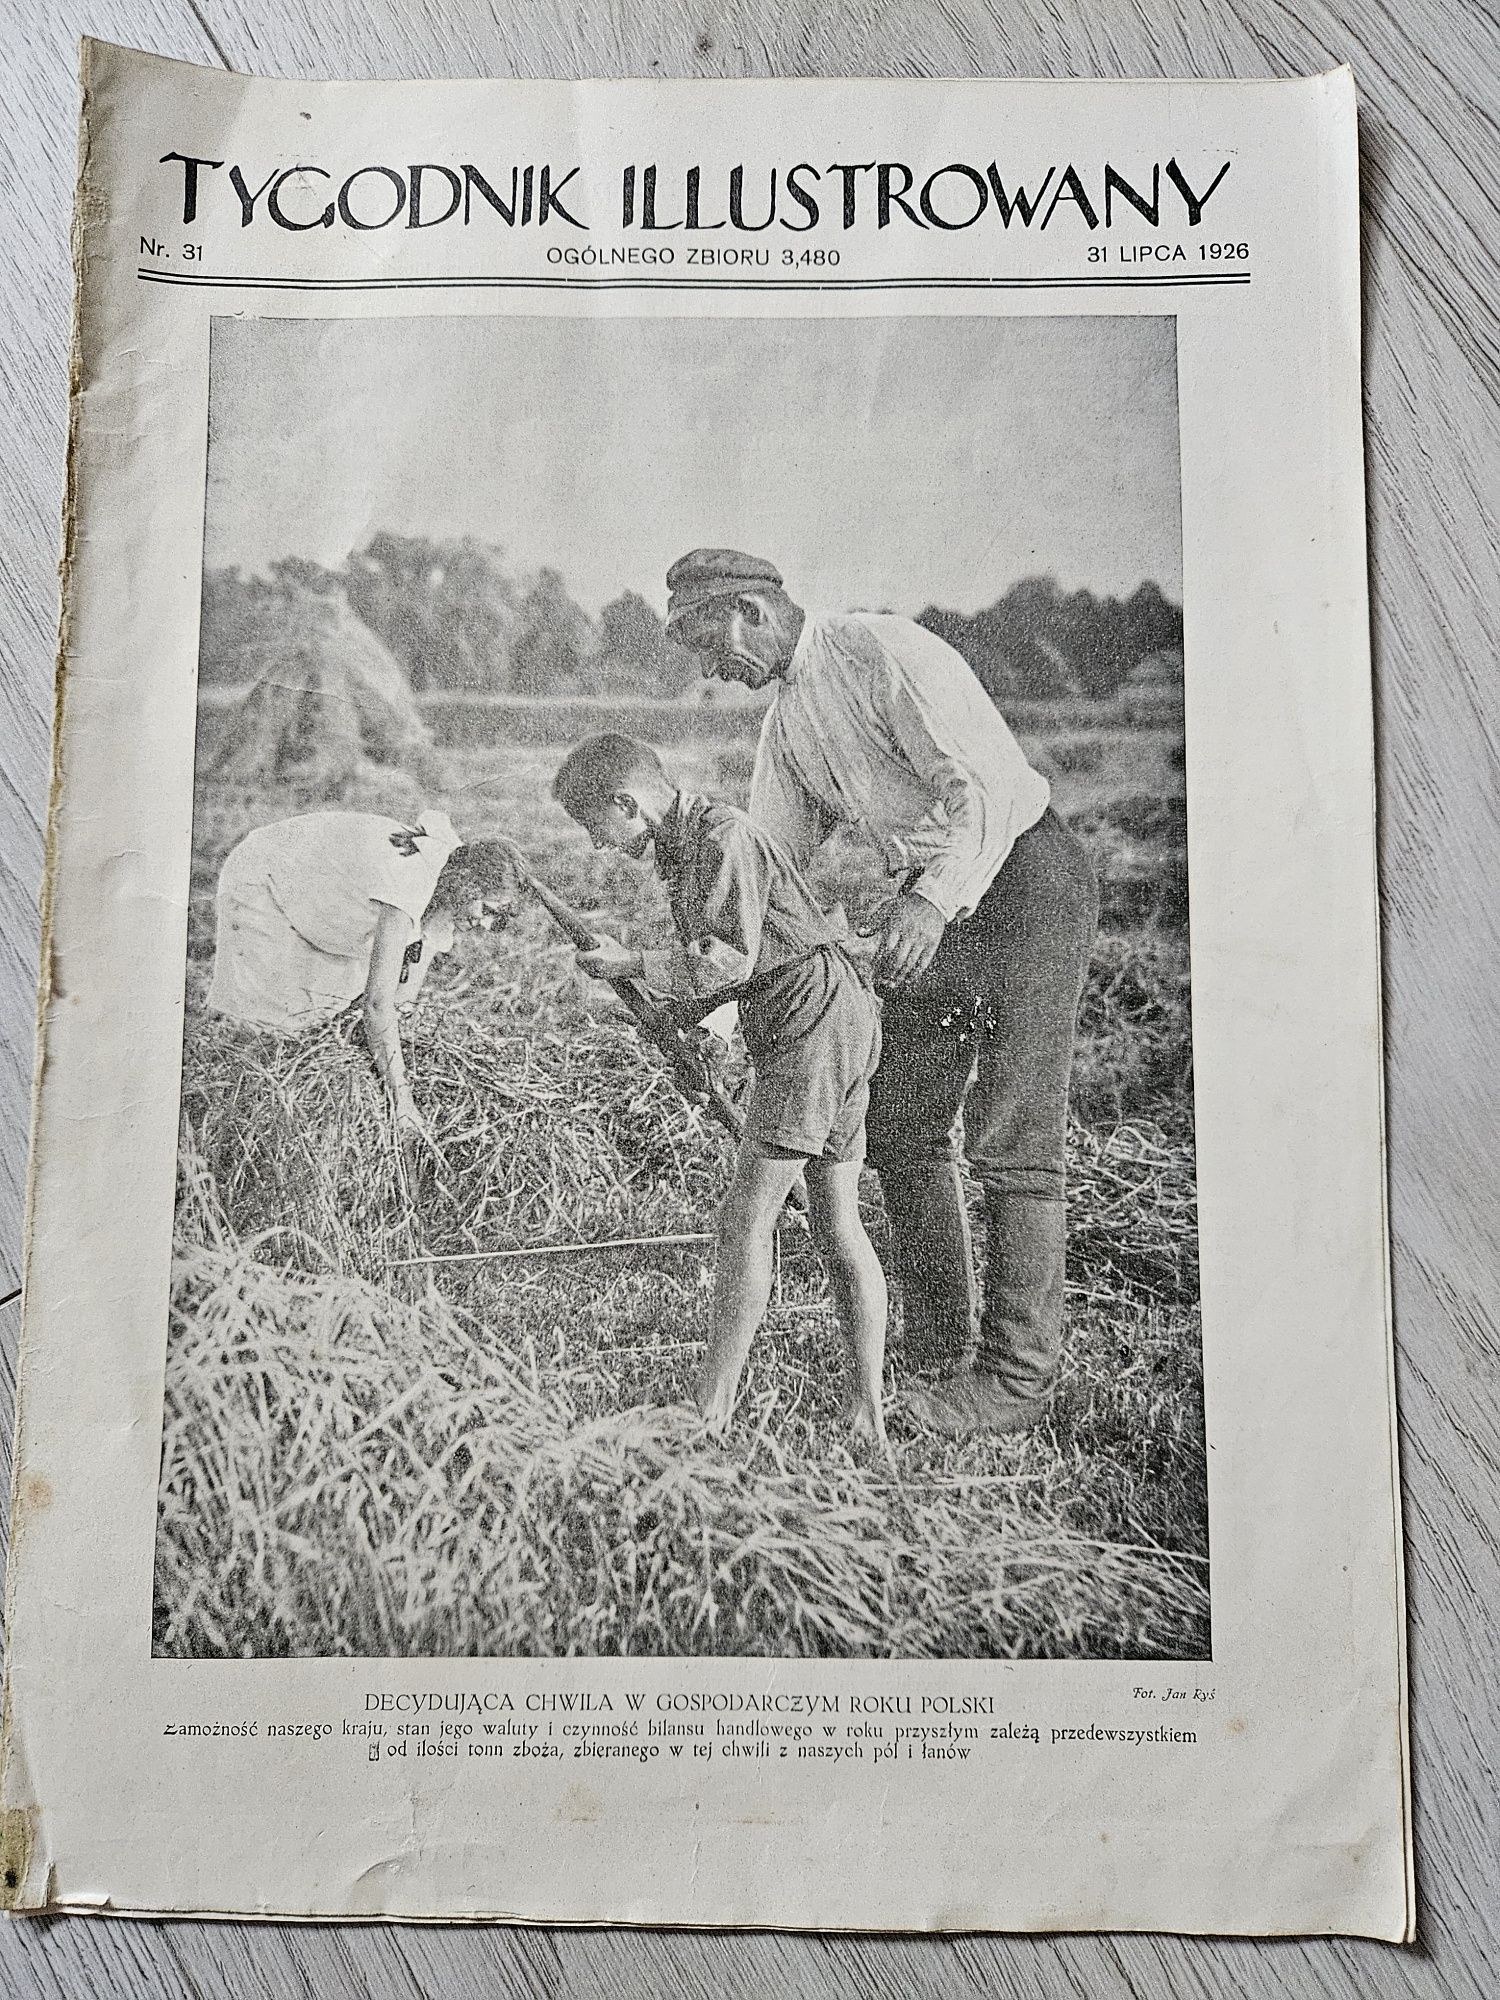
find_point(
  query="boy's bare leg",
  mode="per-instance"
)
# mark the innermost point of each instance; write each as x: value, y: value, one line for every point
x: 743, y: 1268
x: 858, y: 1286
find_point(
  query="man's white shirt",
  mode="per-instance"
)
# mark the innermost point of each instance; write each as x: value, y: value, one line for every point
x: 880, y: 724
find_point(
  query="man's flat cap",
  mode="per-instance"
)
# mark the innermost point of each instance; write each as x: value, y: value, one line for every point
x: 704, y: 574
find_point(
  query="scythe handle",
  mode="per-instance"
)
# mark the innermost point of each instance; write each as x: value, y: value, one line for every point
x: 679, y: 1045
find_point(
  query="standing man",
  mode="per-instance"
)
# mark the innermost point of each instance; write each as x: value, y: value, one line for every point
x: 879, y: 724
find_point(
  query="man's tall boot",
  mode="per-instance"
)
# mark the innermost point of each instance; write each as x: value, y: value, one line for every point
x: 1020, y: 1324
x: 934, y: 1262
x: 1006, y: 1386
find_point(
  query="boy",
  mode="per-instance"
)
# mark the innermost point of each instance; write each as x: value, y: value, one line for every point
x: 749, y: 929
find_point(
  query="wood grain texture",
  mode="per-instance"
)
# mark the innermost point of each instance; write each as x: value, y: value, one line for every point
x: 1427, y: 71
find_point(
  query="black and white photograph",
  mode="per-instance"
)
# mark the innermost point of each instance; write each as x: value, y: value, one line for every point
x: 687, y: 1130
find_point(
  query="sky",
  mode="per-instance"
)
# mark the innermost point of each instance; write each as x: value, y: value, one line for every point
x: 881, y: 463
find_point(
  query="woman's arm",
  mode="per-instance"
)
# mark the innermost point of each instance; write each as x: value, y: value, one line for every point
x: 393, y: 933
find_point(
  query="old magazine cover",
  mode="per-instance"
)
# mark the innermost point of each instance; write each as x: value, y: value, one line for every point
x: 706, y: 1234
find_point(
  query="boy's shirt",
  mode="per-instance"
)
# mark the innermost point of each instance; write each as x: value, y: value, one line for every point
x: 740, y: 905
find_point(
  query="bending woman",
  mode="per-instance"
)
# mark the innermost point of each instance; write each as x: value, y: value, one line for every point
x: 329, y: 909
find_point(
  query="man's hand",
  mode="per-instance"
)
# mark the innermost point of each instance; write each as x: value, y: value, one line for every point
x: 607, y: 959
x: 908, y: 944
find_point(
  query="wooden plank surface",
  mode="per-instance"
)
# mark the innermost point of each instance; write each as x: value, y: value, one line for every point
x: 1427, y: 71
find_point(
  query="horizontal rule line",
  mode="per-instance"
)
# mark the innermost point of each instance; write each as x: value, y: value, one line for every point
x: 158, y: 277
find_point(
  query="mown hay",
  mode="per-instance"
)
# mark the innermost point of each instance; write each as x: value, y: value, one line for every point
x: 346, y: 1474
x: 362, y: 1459
x: 547, y: 1131
x: 1134, y: 1054
x: 1133, y: 1212
x: 559, y: 1131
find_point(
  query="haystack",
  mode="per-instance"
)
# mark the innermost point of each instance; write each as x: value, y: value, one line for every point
x: 330, y: 707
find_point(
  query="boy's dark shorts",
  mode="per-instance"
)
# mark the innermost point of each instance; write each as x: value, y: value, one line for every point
x: 813, y: 1031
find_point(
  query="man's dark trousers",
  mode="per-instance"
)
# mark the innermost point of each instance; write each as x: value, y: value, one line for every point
x: 988, y: 1031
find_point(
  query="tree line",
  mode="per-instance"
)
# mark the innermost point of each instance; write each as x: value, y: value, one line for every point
x: 459, y: 620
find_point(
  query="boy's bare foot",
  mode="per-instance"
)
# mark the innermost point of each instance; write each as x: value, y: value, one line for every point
x: 866, y: 1422
x: 715, y: 1409
x: 972, y: 1400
